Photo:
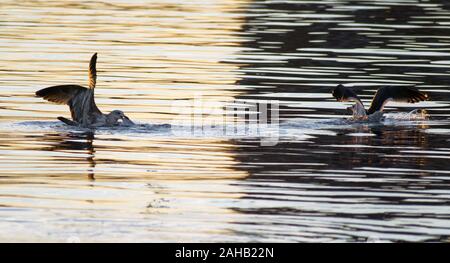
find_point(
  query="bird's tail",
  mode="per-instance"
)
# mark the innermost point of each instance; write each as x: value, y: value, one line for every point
x: 67, y: 121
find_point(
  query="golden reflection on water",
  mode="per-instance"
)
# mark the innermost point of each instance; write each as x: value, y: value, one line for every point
x: 150, y: 54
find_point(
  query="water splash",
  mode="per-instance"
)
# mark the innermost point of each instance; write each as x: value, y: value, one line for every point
x: 301, y: 125
x: 414, y: 115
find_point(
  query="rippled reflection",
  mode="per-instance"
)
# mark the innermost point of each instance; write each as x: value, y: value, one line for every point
x: 326, y: 179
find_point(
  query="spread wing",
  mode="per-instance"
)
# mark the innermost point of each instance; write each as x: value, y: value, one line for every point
x: 80, y: 100
x: 61, y: 94
x: 93, y: 71
x: 342, y: 93
x: 400, y: 94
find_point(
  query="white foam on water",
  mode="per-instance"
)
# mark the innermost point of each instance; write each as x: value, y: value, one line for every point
x: 299, y: 129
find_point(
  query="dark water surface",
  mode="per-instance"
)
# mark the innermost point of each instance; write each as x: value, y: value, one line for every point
x: 325, y: 180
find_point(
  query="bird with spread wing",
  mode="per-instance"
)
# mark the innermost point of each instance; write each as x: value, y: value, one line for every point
x: 81, y: 102
x: 381, y: 98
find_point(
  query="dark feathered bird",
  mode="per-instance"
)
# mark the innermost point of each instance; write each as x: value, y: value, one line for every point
x: 81, y: 102
x: 383, y: 96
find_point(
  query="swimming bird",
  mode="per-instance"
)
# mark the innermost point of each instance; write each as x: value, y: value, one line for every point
x: 81, y: 102
x: 381, y: 98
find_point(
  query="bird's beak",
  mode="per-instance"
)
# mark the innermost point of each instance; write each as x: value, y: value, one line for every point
x: 126, y: 120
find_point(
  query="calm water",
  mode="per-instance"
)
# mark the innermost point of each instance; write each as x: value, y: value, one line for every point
x: 326, y: 180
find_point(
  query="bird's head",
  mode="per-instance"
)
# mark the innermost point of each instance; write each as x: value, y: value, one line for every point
x: 117, y: 116
x: 338, y: 92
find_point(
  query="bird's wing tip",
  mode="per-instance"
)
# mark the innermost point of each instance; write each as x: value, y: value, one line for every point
x: 40, y: 93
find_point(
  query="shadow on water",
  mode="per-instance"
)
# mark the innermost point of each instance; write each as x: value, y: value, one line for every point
x: 74, y: 142
x: 306, y: 49
x: 353, y: 183
x: 351, y: 186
